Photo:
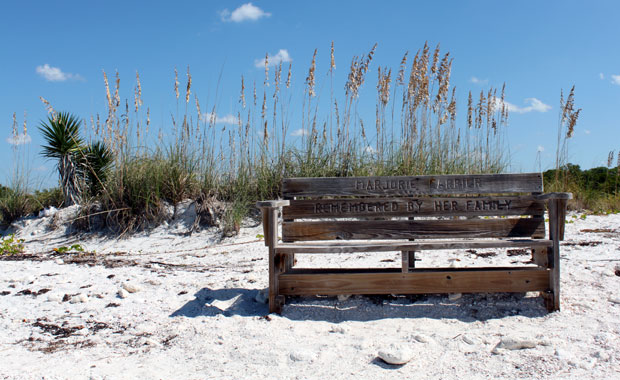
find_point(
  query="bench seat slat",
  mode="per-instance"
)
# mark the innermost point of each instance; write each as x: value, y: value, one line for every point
x: 417, y: 282
x: 413, y: 206
x: 389, y: 246
x: 410, y: 229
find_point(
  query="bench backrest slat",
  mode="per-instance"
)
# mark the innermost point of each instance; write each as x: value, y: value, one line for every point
x: 408, y: 229
x: 415, y: 206
x: 412, y: 185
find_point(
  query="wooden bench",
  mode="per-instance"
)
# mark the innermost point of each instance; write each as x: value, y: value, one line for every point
x: 409, y: 215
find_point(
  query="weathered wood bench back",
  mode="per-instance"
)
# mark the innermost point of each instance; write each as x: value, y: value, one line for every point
x: 398, y: 198
x: 412, y: 214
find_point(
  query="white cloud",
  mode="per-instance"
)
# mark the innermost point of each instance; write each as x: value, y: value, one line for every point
x: 601, y: 75
x: 540, y: 148
x: 226, y: 119
x: 533, y: 105
x: 281, y: 56
x: 55, y: 74
x: 615, y: 79
x: 587, y: 131
x: 19, y: 139
x: 300, y: 132
x: 243, y: 13
x: 475, y: 80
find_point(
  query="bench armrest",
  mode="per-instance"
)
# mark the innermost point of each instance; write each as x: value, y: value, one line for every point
x: 273, y: 204
x: 270, y: 219
x: 548, y: 196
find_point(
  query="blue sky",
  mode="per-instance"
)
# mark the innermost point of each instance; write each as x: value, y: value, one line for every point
x: 58, y: 50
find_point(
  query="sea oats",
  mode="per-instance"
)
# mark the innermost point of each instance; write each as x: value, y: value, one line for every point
x: 452, y: 106
x: 14, y: 124
x: 242, y: 96
x: 310, y: 77
x: 176, y: 83
x: 470, y: 110
x: 610, y: 159
x: 139, y: 86
x: 383, y: 85
x: 480, y: 110
x: 189, y: 86
x: 332, y: 61
x: 443, y: 78
x: 107, y: 91
x: 435, y: 60
x: 266, y: 82
x: 400, y: 79
x: 572, y: 121
x: 489, y: 110
x: 288, y: 76
x: 117, y: 98
x: 277, y: 78
x: 49, y: 108
x: 25, y: 125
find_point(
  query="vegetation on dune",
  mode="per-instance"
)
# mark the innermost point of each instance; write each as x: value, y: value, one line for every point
x: 127, y: 173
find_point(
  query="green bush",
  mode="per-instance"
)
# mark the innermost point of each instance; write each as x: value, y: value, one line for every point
x: 14, y: 204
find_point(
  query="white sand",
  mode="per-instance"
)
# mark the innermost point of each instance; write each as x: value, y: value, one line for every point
x: 193, y: 314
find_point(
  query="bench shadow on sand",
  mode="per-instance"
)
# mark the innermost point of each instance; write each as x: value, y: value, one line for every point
x: 468, y: 308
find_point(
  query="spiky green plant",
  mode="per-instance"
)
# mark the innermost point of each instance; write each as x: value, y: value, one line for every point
x: 96, y: 166
x: 61, y: 133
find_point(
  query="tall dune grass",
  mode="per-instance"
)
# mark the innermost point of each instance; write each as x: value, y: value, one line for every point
x: 414, y: 131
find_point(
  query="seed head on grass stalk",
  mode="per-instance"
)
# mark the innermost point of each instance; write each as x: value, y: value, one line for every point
x: 310, y: 77
x: 189, y: 86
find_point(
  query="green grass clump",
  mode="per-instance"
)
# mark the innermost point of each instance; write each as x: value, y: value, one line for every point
x: 9, y: 245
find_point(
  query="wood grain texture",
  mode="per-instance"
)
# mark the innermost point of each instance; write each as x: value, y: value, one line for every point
x: 414, y: 206
x: 275, y: 304
x: 348, y: 247
x: 412, y: 185
x: 272, y: 204
x: 415, y: 282
x: 418, y: 229
x: 548, y: 196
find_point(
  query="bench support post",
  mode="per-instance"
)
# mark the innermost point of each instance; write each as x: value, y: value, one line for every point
x: 276, y: 262
x: 557, y: 215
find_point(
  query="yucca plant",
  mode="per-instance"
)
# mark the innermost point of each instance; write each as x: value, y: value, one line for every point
x: 61, y: 133
x: 97, y: 161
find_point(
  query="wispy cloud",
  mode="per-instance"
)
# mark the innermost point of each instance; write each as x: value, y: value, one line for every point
x: 300, y: 132
x: 475, y: 80
x: 601, y: 75
x: 532, y: 105
x: 55, y: 74
x: 243, y: 13
x: 19, y: 139
x: 213, y: 118
x: 274, y: 59
x: 587, y: 131
x: 615, y: 79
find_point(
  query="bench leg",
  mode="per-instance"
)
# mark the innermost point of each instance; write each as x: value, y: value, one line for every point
x: 276, y: 267
x: 276, y: 263
x: 557, y: 212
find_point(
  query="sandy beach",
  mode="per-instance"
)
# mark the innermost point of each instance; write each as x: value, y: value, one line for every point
x: 176, y: 304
